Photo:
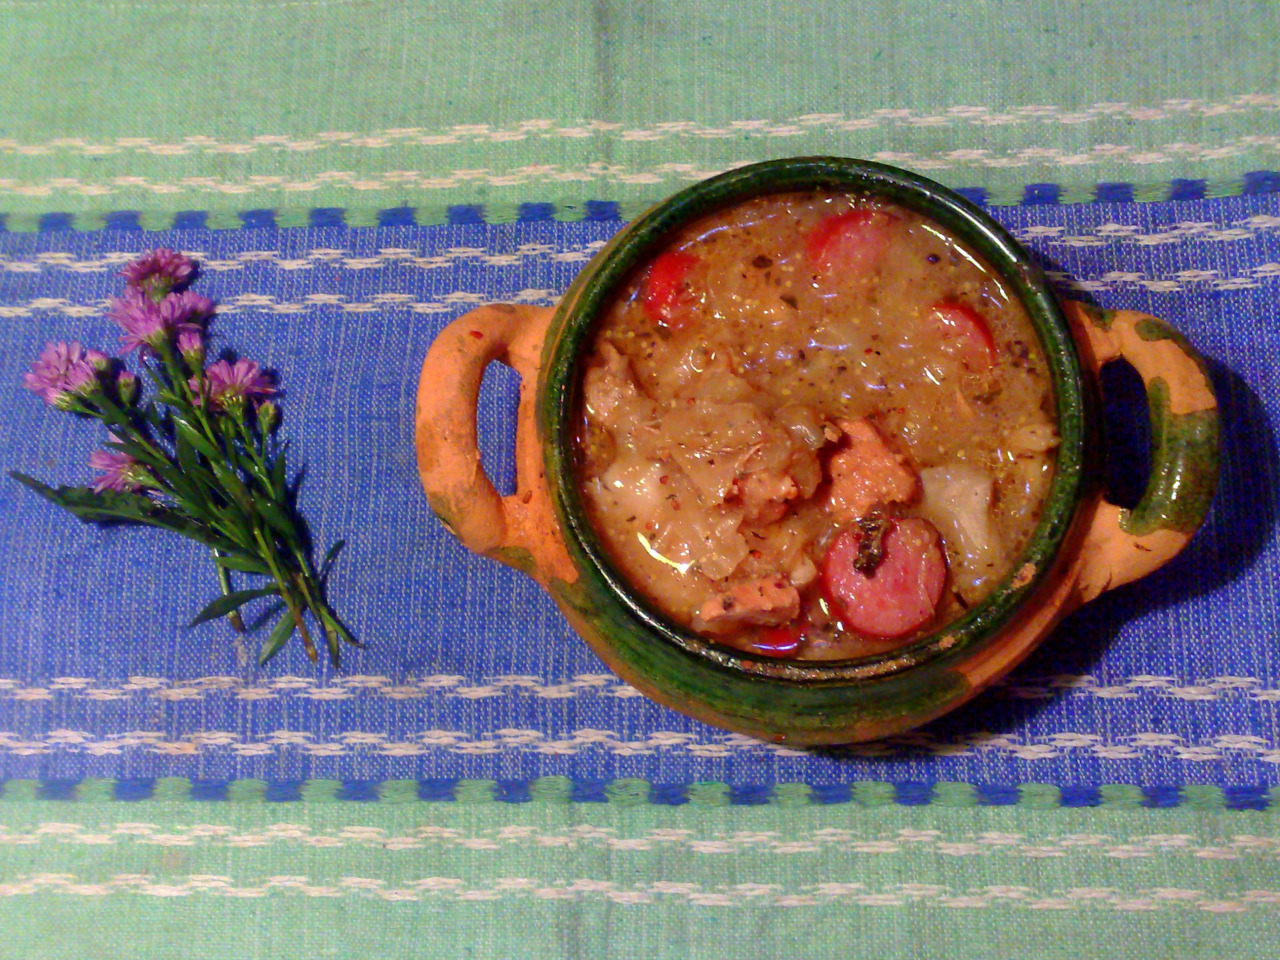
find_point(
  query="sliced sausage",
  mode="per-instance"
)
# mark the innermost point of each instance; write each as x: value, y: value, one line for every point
x: 901, y: 594
x: 849, y: 244
x: 964, y: 329
x: 667, y: 298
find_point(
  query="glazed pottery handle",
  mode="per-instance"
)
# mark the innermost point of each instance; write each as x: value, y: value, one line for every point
x: 1123, y: 545
x: 460, y: 492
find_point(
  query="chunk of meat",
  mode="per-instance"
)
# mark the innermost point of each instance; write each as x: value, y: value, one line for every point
x: 901, y: 595
x: 765, y: 494
x: 867, y: 472
x: 768, y: 602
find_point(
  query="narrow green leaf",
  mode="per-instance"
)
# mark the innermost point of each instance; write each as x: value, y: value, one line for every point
x: 279, y: 634
x: 224, y: 584
x: 242, y: 563
x: 197, y: 439
x: 175, y: 480
x: 231, y: 601
x: 331, y: 640
x: 232, y: 527
x: 112, y: 507
x: 189, y: 460
x: 233, y: 485
x: 331, y: 620
x: 206, y: 493
x: 329, y: 558
x: 279, y: 521
x: 85, y: 503
x: 278, y: 474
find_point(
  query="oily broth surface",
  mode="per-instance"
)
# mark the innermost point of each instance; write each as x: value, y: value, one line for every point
x: 768, y: 354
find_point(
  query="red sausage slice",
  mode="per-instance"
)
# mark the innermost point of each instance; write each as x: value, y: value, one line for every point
x: 850, y: 243
x: 903, y: 592
x: 780, y: 642
x: 666, y: 292
x: 960, y: 323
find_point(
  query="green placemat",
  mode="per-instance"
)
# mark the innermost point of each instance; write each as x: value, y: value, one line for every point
x: 370, y: 104
x: 547, y: 878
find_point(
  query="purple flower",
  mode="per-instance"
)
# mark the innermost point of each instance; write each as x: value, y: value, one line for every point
x: 188, y: 307
x: 148, y: 323
x: 120, y: 471
x: 163, y: 269
x: 227, y: 383
x: 64, y: 370
x: 191, y: 346
x: 139, y: 318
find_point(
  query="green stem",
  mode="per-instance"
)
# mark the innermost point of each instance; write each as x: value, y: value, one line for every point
x: 286, y: 592
x: 316, y: 605
x: 113, y: 416
x: 258, y: 467
x: 177, y: 378
x: 173, y: 366
x: 224, y: 584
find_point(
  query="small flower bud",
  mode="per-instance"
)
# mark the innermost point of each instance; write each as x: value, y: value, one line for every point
x: 231, y: 404
x: 268, y: 416
x: 127, y: 388
x: 191, y: 346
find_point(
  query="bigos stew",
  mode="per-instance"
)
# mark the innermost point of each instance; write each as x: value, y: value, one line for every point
x: 815, y: 426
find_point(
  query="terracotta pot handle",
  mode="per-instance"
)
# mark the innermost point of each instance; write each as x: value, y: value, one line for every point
x: 509, y: 529
x: 1122, y: 545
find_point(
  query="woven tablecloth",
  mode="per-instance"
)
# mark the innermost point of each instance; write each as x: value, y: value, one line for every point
x: 354, y: 175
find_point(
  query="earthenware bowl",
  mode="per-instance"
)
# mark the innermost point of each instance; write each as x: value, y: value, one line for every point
x: 1082, y: 546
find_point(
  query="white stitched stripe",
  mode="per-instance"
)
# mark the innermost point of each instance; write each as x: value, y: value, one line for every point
x: 728, y: 895
x: 590, y: 740
x: 601, y: 172
x: 315, y: 301
x: 1250, y: 228
x: 874, y: 843
x: 318, y: 257
x: 1208, y: 689
x: 1183, y: 231
x: 1172, y: 283
x: 545, y: 129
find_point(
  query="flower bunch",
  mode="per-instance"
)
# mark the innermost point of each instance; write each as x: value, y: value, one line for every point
x: 199, y: 457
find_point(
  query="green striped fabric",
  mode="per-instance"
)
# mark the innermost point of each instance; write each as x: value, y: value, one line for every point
x: 372, y: 104
x: 550, y: 879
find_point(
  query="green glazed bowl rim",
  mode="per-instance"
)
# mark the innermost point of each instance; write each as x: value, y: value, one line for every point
x: 590, y: 294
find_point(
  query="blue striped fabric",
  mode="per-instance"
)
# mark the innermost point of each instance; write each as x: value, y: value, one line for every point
x: 469, y: 670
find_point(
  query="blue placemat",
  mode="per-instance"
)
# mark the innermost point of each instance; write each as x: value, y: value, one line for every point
x: 469, y: 670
